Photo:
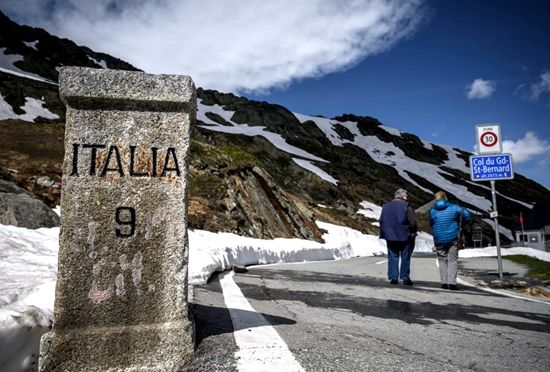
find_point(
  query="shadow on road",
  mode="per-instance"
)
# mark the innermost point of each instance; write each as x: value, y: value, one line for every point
x: 359, y: 280
x: 212, y: 320
x: 423, y: 313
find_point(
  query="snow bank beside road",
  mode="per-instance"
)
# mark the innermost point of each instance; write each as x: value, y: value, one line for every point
x: 492, y: 252
x: 28, y: 270
x: 211, y: 252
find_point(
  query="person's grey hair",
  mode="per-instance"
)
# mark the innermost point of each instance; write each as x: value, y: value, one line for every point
x: 400, y: 194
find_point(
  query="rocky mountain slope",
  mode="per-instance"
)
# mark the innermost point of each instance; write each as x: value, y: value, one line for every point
x: 343, y: 161
x: 257, y: 169
x: 34, y: 51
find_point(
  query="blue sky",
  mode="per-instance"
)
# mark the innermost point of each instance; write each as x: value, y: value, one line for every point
x: 420, y: 85
x: 432, y: 68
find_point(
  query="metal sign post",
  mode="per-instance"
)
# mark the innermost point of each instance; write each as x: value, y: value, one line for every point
x: 499, y: 257
x: 491, y: 165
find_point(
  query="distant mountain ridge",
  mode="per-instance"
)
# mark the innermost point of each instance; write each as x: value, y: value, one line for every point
x: 246, y: 153
x: 42, y: 54
x: 369, y: 160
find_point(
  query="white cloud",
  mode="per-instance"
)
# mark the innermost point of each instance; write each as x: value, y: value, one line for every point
x: 232, y: 46
x: 480, y: 89
x: 541, y: 87
x: 526, y: 148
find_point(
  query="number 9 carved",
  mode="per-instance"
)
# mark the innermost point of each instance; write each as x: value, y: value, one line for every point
x: 125, y: 216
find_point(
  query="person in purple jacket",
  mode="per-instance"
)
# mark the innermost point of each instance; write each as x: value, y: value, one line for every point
x: 398, y: 227
x: 446, y: 220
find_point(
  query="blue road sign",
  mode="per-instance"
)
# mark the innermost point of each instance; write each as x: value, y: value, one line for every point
x: 491, y: 167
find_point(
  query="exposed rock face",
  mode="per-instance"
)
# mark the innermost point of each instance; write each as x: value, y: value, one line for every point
x: 31, y: 155
x: 230, y: 193
x: 21, y: 208
x: 268, y: 210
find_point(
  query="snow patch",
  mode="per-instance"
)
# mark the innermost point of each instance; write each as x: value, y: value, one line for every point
x: 7, y: 60
x: 102, y: 63
x: 481, y: 185
x: 427, y: 145
x: 216, y: 109
x: 325, y: 125
x: 32, y: 107
x: 57, y: 210
x: 31, y: 44
x: 388, y: 153
x: 275, y: 139
x: 503, y: 230
x: 7, y: 65
x: 28, y: 270
x: 454, y: 161
x: 395, y: 132
x: 370, y: 210
x: 492, y: 252
x: 6, y: 111
x: 306, y: 164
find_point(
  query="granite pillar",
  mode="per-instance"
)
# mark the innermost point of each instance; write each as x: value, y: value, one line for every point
x: 121, y: 295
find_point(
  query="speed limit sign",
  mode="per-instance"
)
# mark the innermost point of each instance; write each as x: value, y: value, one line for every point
x: 488, y: 139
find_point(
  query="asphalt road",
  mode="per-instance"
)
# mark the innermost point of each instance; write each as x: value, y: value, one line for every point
x: 345, y: 316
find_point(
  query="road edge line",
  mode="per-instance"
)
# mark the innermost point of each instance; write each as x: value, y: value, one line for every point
x: 495, y: 291
x: 261, y: 348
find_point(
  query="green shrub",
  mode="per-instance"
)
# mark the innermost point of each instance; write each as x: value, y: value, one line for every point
x: 239, y: 156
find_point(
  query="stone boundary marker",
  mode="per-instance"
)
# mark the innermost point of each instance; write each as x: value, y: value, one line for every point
x: 121, y: 295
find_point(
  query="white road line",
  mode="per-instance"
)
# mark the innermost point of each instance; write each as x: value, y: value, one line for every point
x: 490, y: 290
x: 260, y: 346
x: 504, y: 293
x: 381, y: 262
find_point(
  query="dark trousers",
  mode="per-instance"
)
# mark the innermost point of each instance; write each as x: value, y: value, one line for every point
x: 397, y: 250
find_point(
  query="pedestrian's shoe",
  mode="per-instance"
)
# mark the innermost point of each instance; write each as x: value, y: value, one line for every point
x: 453, y: 287
x: 407, y: 282
x: 393, y: 281
x: 444, y: 286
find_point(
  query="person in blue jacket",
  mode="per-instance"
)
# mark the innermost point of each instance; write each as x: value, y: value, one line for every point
x: 398, y: 227
x: 446, y: 219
